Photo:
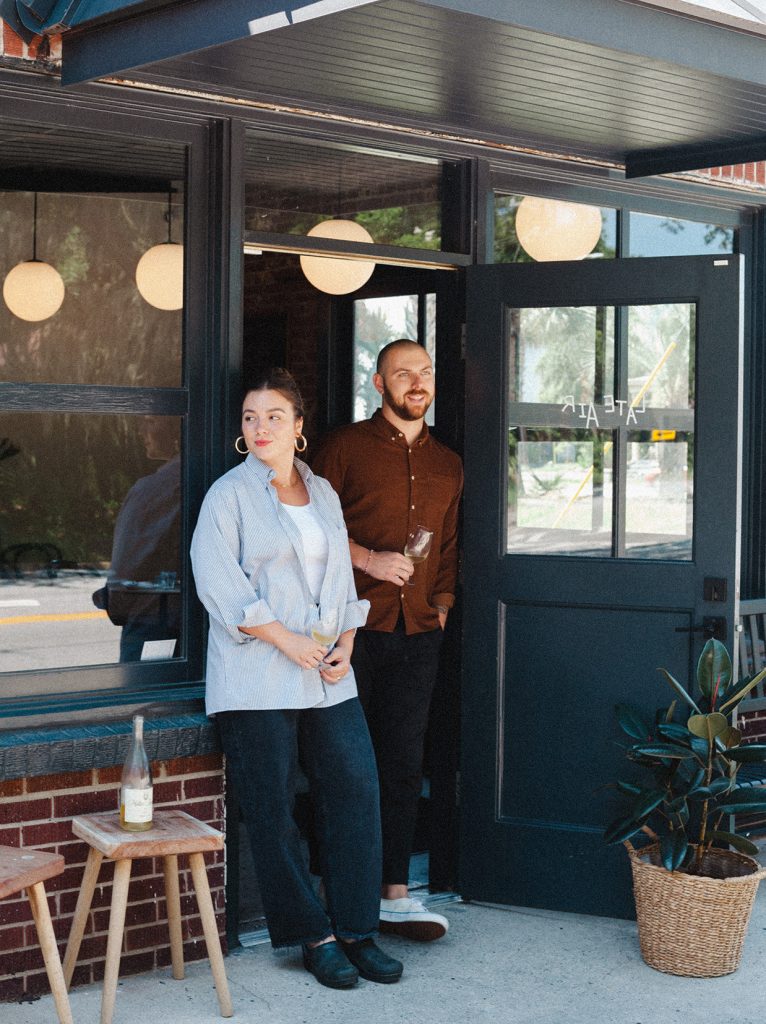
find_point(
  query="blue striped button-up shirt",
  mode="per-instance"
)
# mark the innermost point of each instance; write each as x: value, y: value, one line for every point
x: 249, y: 569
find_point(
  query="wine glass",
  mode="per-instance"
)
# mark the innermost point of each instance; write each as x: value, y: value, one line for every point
x: 418, y: 546
x: 325, y: 629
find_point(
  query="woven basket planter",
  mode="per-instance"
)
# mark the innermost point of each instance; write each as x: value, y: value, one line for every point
x: 694, y: 925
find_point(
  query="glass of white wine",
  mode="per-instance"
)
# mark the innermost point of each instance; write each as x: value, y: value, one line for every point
x: 418, y: 546
x: 325, y: 629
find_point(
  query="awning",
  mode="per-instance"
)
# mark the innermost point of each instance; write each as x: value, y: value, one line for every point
x: 657, y: 85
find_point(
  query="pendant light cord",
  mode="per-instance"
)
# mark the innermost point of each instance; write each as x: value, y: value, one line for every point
x: 34, y: 230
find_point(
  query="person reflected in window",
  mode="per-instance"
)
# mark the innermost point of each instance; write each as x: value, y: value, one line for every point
x: 142, y: 593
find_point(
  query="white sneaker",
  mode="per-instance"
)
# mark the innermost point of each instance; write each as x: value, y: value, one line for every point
x: 410, y: 918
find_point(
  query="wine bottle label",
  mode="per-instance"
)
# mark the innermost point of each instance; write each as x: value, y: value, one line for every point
x: 138, y: 805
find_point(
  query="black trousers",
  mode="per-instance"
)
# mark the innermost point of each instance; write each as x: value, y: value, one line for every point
x: 395, y: 675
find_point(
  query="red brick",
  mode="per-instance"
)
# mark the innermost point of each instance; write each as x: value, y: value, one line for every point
x: 71, y: 878
x: 37, y: 984
x: 11, y: 938
x: 63, y: 780
x: 192, y: 928
x: 113, y: 775
x: 167, y: 792
x: 16, y: 811
x: 23, y: 960
x: 83, y: 975
x: 10, y: 836
x: 93, y: 948
x: 207, y: 785
x: 13, y: 911
x: 141, y: 913
x: 47, y: 834
x: 11, y: 787
x: 146, y: 937
x: 13, y: 45
x: 84, y: 803
x: 191, y: 765
x: 137, y: 963
x: 11, y: 990
x: 146, y: 888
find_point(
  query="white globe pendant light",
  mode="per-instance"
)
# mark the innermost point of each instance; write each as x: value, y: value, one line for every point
x: 160, y: 271
x: 338, y: 276
x: 549, y: 229
x: 33, y: 290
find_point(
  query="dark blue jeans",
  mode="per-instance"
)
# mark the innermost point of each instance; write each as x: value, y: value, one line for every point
x: 336, y: 754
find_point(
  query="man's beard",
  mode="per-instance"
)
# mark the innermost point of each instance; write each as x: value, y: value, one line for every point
x: 402, y: 410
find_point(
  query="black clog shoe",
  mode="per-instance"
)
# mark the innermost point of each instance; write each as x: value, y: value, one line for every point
x: 372, y: 963
x: 330, y: 965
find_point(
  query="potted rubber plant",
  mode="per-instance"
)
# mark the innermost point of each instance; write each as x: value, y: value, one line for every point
x: 695, y: 881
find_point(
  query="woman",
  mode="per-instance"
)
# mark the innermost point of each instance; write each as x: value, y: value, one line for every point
x: 270, y: 556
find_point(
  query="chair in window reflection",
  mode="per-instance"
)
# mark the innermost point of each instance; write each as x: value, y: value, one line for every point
x: 142, y: 592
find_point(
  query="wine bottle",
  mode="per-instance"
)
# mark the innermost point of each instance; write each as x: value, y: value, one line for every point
x: 136, y: 785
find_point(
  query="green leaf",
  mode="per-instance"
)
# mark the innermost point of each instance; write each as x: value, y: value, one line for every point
x: 673, y: 731
x: 745, y: 799
x: 716, y: 787
x: 748, y: 753
x: 672, y: 750
x: 632, y: 722
x: 743, y: 690
x: 647, y: 802
x: 622, y: 829
x: 731, y: 737
x: 708, y: 726
x: 680, y: 690
x: 695, y: 783
x: 673, y: 849
x: 628, y: 787
x: 713, y: 668
x: 737, y: 841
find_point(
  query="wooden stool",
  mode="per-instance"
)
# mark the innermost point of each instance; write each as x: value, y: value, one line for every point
x: 28, y: 869
x: 172, y: 833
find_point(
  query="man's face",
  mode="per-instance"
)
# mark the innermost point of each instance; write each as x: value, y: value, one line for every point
x: 406, y: 382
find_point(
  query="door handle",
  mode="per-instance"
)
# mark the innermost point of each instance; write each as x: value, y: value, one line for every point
x: 713, y: 628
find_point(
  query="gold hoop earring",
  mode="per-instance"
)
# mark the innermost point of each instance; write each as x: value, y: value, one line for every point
x: 236, y: 445
x: 305, y: 443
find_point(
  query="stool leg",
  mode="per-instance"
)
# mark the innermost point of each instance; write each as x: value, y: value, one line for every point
x: 114, y: 938
x: 84, y: 900
x: 212, y: 941
x: 42, y: 916
x: 173, y: 899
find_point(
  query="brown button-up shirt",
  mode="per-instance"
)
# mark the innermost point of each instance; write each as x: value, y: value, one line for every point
x: 387, y: 488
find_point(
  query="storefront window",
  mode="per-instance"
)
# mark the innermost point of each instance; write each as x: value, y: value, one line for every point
x: 90, y: 542
x: 670, y: 236
x: 291, y: 186
x: 553, y: 216
x: 105, y: 331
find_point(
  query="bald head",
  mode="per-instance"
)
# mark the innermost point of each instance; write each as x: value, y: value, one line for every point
x: 394, y: 348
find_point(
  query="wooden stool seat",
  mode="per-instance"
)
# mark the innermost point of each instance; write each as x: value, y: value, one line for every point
x: 172, y: 833
x: 30, y: 869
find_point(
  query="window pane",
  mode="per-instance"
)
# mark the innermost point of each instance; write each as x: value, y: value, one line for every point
x: 105, y: 331
x: 661, y: 355
x: 291, y: 186
x: 559, y: 491
x: 561, y: 354
x: 660, y: 494
x: 508, y: 248
x: 669, y: 236
x: 90, y: 546
x: 378, y: 322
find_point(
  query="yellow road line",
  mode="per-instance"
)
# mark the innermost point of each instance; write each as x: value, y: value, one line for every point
x: 13, y: 620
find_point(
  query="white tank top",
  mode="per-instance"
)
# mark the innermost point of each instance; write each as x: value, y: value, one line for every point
x: 315, y: 545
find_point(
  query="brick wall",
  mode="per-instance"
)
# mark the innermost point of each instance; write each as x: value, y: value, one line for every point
x: 752, y: 174
x: 43, y: 50
x: 753, y: 725
x: 37, y: 812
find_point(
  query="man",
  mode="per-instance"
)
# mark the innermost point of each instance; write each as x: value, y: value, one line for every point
x: 393, y: 476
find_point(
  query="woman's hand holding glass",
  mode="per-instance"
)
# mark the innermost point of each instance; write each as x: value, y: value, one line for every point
x: 337, y: 663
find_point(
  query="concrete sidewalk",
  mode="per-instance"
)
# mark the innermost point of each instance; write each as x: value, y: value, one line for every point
x: 512, y: 966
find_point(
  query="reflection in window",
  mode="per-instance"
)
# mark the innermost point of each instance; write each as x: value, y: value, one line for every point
x: 670, y: 236
x: 291, y: 186
x: 659, y: 494
x: 561, y: 353
x: 105, y: 332
x: 661, y: 355
x: 508, y: 249
x: 559, y: 491
x: 90, y: 546
x: 378, y: 322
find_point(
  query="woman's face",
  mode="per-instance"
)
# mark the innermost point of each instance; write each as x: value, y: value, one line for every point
x: 270, y: 426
